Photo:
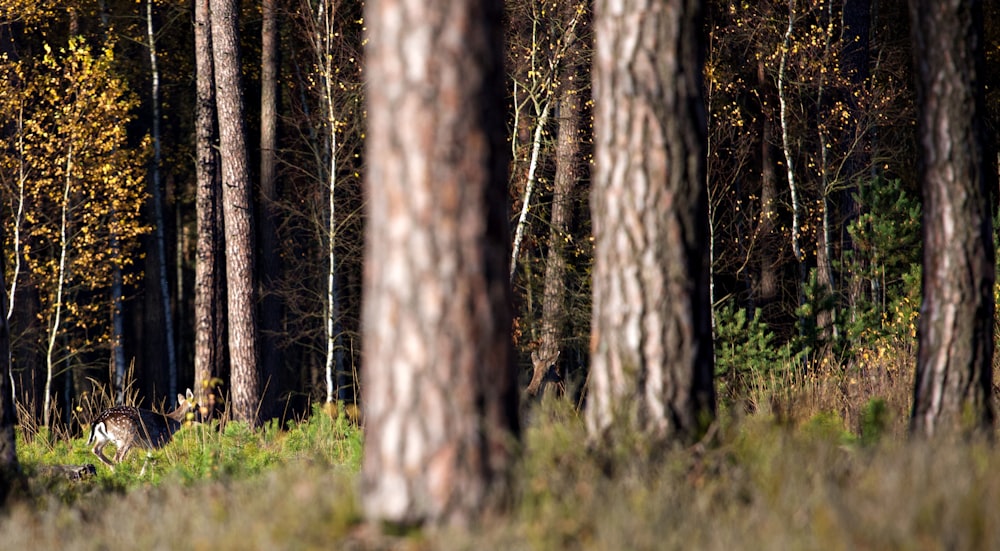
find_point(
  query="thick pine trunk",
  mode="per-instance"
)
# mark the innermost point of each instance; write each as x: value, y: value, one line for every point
x: 440, y: 394
x: 206, y: 280
x: 954, y: 364
x: 237, y: 211
x: 651, y: 341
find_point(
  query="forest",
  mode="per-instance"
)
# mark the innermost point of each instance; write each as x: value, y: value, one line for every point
x: 814, y: 204
x: 186, y: 203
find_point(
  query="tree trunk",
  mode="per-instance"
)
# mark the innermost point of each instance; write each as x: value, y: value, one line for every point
x: 767, y: 293
x: 323, y: 36
x: 440, y: 382
x: 786, y: 141
x: 158, y: 209
x: 206, y: 315
x: 8, y: 311
x: 55, y: 324
x: 954, y: 363
x: 9, y: 467
x: 118, y: 327
x: 238, y: 212
x: 522, y: 220
x: 553, y: 294
x: 541, y: 95
x: 826, y: 315
x: 270, y: 306
x: 651, y: 340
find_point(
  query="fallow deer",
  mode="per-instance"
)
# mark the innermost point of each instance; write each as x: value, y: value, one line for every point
x: 127, y: 427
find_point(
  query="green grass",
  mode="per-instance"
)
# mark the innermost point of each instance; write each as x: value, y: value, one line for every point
x: 209, y: 452
x: 822, y: 463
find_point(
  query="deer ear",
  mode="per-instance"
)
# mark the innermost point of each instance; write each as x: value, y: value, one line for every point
x: 190, y: 395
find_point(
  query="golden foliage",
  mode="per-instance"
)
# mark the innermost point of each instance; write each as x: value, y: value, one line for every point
x: 80, y: 184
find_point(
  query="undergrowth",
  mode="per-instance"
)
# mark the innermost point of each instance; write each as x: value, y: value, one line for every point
x: 818, y: 459
x: 207, y: 451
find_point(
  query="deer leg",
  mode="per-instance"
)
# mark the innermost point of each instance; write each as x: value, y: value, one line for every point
x: 122, y: 450
x: 99, y: 452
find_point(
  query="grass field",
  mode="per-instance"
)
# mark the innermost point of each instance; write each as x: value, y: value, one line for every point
x: 821, y: 462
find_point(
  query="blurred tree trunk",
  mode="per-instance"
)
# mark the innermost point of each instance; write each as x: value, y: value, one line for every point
x: 9, y: 468
x: 237, y: 209
x: 440, y: 388
x: 270, y: 306
x: 651, y: 342
x: 954, y: 364
x: 206, y: 279
x: 553, y: 294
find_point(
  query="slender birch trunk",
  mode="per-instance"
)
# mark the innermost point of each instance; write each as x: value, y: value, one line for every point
x: 157, y: 193
x: 522, y: 220
x: 50, y: 363
x: 541, y: 94
x: 786, y: 143
x: 22, y: 177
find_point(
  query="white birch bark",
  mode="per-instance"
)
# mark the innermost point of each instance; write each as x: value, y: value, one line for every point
x: 50, y: 362
x: 161, y: 247
x: 522, y: 220
x: 541, y: 95
x: 18, y: 219
x: 786, y: 146
x: 322, y: 14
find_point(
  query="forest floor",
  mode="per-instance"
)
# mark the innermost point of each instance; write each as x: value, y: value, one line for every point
x: 820, y: 462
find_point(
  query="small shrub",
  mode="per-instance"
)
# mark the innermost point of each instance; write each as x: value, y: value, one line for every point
x: 827, y: 426
x: 745, y: 352
x: 874, y: 421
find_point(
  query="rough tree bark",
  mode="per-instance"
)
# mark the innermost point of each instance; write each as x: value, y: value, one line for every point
x: 553, y: 295
x: 206, y: 279
x: 954, y: 380
x: 440, y: 390
x: 651, y: 340
x: 237, y: 211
